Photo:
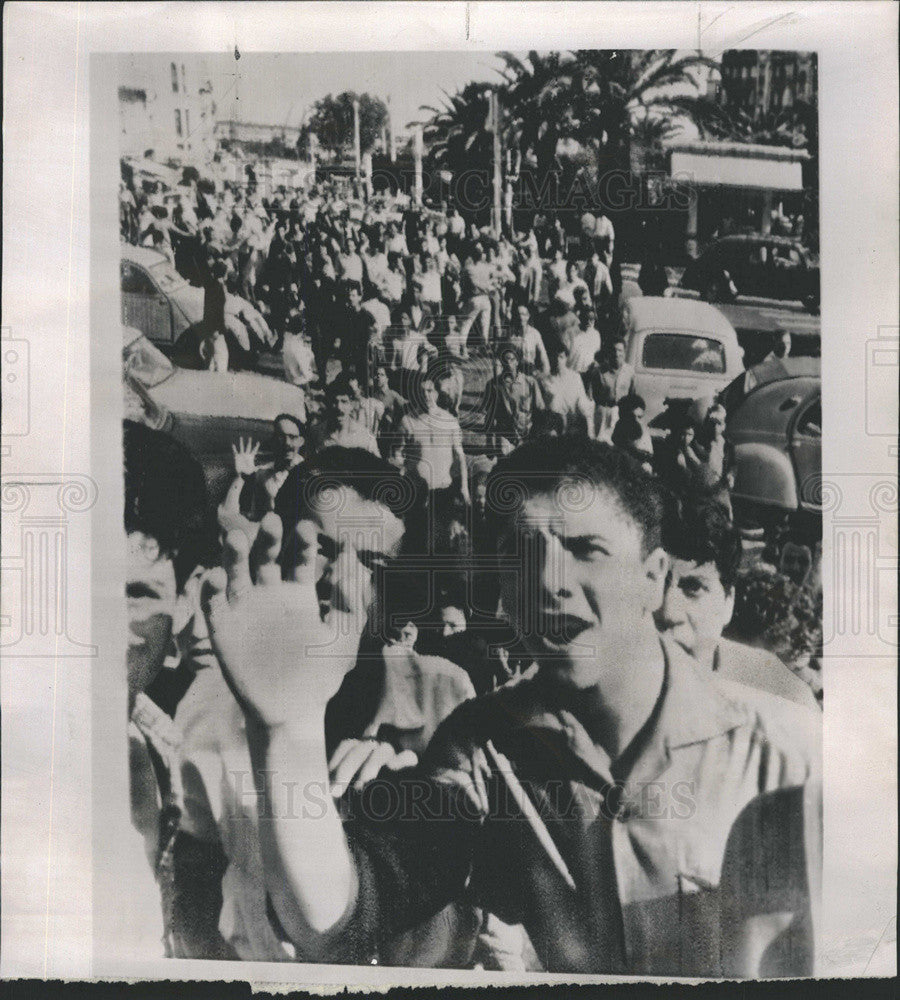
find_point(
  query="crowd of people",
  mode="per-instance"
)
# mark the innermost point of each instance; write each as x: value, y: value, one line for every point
x: 498, y: 607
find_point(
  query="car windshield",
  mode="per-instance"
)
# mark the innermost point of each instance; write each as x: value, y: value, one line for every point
x: 166, y: 276
x: 683, y: 352
x: 146, y: 363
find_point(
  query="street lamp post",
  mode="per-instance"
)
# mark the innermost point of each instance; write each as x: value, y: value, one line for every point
x: 417, y: 149
x: 356, y: 150
x: 496, y: 213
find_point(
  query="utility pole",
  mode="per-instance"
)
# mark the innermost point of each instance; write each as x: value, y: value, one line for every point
x: 496, y: 211
x: 417, y: 146
x: 356, y: 151
x: 393, y: 139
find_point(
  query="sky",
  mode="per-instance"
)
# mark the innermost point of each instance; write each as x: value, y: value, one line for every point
x: 275, y: 89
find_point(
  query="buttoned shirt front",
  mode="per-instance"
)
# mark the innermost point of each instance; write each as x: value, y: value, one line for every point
x: 697, y: 859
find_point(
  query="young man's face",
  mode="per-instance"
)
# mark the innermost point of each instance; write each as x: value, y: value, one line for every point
x: 510, y: 363
x: 343, y: 406
x: 150, y: 592
x: 583, y: 590
x: 381, y: 380
x: 430, y: 394
x: 695, y: 608
x: 288, y: 440
x: 346, y: 525
x: 453, y: 621
x: 524, y: 316
x: 354, y: 298
x: 619, y: 354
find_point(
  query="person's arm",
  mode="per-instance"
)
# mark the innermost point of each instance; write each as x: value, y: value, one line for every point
x: 540, y: 352
x: 461, y: 462
x: 589, y: 412
x: 244, y: 468
x: 283, y: 663
x: 269, y: 640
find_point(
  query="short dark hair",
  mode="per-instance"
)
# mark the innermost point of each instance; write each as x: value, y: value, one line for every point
x: 368, y: 475
x: 338, y: 386
x: 631, y: 402
x: 293, y: 419
x: 166, y: 498
x: 544, y: 464
x: 703, y: 532
x: 352, y: 286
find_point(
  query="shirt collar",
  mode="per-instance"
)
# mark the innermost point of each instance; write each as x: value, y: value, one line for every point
x: 692, y: 709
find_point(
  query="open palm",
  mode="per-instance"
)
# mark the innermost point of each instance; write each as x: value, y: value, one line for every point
x: 282, y: 660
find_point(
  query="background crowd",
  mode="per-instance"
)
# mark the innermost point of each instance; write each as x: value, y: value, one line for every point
x: 430, y: 347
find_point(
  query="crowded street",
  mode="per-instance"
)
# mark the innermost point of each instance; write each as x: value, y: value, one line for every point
x: 507, y: 506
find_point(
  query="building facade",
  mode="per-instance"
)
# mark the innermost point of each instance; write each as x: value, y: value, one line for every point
x: 766, y: 83
x: 242, y: 133
x: 166, y: 109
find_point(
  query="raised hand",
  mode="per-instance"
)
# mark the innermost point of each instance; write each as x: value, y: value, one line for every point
x: 357, y: 762
x: 245, y: 457
x: 282, y: 659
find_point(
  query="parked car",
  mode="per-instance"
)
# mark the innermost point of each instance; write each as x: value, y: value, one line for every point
x: 681, y: 351
x: 207, y: 411
x: 776, y: 431
x: 168, y: 310
x: 155, y: 298
x: 774, y: 267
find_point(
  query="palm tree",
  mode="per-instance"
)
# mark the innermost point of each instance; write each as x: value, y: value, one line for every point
x: 629, y: 95
x: 458, y: 134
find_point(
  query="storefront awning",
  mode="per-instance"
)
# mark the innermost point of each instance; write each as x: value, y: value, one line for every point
x: 707, y: 170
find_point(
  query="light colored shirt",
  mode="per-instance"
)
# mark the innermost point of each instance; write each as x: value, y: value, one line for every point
x: 430, y: 439
x: 220, y: 808
x: 585, y: 345
x: 354, y: 435
x: 564, y: 393
x: 760, y: 669
x: 368, y: 412
x: 406, y: 351
x: 381, y: 312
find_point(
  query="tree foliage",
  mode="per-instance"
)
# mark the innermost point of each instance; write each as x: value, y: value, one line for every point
x: 555, y: 105
x: 331, y: 121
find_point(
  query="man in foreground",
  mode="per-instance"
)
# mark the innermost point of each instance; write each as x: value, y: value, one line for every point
x: 637, y: 814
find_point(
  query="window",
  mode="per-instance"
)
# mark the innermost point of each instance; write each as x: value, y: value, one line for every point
x: 135, y: 280
x: 786, y: 257
x: 174, y: 79
x: 178, y: 121
x: 187, y: 121
x: 165, y: 276
x: 810, y: 423
x: 147, y: 364
x: 682, y: 352
x: 183, y: 84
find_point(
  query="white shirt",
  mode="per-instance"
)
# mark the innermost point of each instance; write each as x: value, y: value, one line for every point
x: 430, y: 442
x: 378, y: 309
x: 585, y: 345
x: 564, y: 393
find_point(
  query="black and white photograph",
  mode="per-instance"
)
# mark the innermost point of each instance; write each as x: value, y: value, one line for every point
x: 449, y: 493
x: 472, y: 468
